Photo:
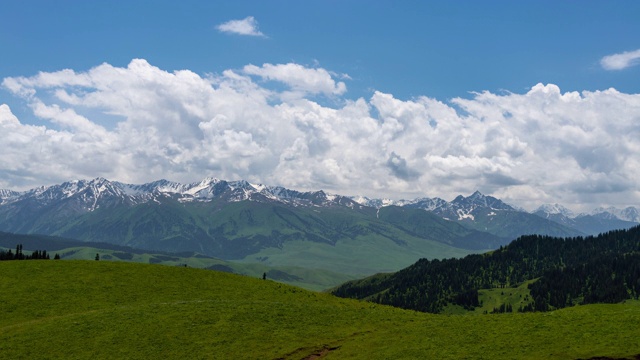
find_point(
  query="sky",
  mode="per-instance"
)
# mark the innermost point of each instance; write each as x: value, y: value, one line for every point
x: 532, y: 102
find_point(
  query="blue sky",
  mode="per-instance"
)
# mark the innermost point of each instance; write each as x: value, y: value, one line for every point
x: 388, y: 54
x: 441, y: 49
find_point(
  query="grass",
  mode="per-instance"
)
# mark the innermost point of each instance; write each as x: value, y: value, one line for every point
x: 307, y: 278
x: 99, y: 310
x: 515, y: 296
x: 359, y: 257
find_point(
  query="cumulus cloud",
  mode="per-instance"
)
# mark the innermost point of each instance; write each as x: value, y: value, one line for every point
x: 400, y: 169
x: 299, y: 78
x: 621, y: 61
x: 247, y: 26
x: 140, y: 123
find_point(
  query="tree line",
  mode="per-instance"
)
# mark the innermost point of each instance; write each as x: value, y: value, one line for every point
x: 20, y: 255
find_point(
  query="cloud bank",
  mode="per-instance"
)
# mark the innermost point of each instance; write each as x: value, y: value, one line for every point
x: 141, y: 123
x: 621, y: 61
x: 247, y: 26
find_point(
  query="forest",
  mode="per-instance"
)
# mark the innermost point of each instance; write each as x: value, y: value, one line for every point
x: 20, y: 255
x: 567, y: 272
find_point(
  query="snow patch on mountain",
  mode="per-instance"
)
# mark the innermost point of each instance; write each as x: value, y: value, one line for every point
x: 375, y: 203
x: 8, y: 195
x: 462, y: 215
x: 554, y: 209
x: 88, y: 195
x: 628, y: 214
x: 558, y: 211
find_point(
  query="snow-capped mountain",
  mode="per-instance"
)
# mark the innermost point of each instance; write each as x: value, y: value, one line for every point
x: 597, y: 221
x: 628, y: 214
x: 375, y: 203
x: 477, y: 211
x: 481, y: 212
x: 469, y: 207
x: 81, y: 194
x: 227, y: 219
x: 7, y: 195
x: 458, y: 209
x: 89, y: 195
x: 557, y: 213
x: 547, y: 210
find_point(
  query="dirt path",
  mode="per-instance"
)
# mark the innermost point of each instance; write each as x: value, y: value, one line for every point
x: 319, y: 354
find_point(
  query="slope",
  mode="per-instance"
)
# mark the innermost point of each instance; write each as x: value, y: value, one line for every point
x: 105, y: 310
x: 567, y: 272
x: 353, y: 240
x: 311, y: 279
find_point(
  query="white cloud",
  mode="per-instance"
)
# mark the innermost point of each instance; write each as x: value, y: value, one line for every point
x: 141, y: 123
x: 247, y: 26
x: 621, y: 61
x: 299, y: 78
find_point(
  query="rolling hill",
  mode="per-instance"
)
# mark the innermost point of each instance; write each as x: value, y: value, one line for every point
x: 106, y: 310
x: 68, y: 249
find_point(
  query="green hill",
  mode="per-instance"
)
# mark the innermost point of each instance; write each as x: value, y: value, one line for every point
x: 106, y: 310
x: 559, y: 272
x: 308, y: 278
x: 354, y: 239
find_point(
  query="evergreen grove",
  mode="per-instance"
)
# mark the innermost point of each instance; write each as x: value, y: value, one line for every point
x: 568, y: 271
x: 19, y: 255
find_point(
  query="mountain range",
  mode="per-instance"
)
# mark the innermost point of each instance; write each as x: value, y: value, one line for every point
x: 490, y: 214
x: 238, y: 220
x: 597, y: 221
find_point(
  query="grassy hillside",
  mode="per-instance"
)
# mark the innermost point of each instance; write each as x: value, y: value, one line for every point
x: 311, y: 279
x: 99, y: 309
x: 358, y: 256
x: 238, y: 230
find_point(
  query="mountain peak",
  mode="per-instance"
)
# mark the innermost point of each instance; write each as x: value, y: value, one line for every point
x: 209, y: 181
x: 553, y: 209
x: 99, y: 179
x: 628, y: 214
x: 479, y: 200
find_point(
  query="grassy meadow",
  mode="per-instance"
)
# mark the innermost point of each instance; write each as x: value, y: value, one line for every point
x: 307, y: 278
x: 106, y: 310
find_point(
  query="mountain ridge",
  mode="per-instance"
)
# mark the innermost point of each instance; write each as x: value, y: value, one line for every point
x: 477, y: 211
x: 459, y: 208
x: 237, y: 221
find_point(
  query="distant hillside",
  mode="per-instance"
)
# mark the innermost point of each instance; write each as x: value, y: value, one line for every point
x: 567, y: 272
x: 106, y: 310
x: 312, y: 279
x: 239, y: 221
x: 598, y: 221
